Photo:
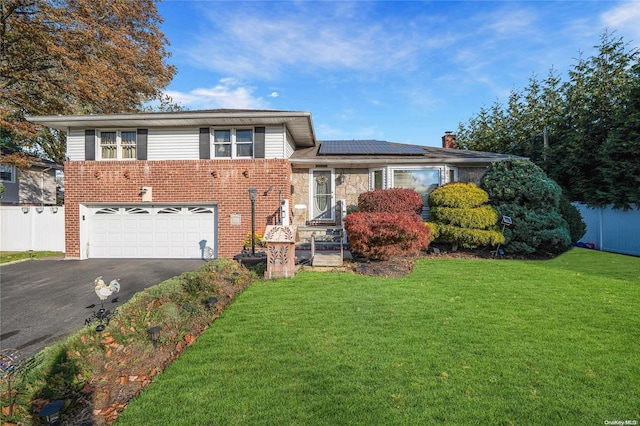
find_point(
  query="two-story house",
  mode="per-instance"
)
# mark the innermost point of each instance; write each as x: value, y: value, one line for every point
x: 176, y: 184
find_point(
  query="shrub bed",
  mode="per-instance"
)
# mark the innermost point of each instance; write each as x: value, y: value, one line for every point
x: 379, y: 236
x: 98, y: 373
x: 462, y: 217
x: 394, y: 200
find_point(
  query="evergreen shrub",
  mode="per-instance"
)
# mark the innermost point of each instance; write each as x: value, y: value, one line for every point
x: 521, y: 190
x: 570, y: 213
x: 462, y: 217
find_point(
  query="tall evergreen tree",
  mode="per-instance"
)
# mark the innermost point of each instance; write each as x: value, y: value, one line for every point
x: 598, y: 99
x: 589, y: 121
x: 620, y: 184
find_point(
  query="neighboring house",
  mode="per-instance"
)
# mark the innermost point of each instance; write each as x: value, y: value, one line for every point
x: 33, y: 185
x: 176, y: 184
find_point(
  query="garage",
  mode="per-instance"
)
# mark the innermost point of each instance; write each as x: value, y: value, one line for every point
x: 158, y: 231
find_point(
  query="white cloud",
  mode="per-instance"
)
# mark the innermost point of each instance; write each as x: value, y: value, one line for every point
x: 625, y: 17
x: 510, y: 22
x: 228, y: 93
x: 312, y: 37
x: 274, y: 95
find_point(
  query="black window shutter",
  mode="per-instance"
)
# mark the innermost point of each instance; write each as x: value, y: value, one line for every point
x: 141, y: 144
x: 205, y: 143
x: 89, y: 144
x: 258, y: 143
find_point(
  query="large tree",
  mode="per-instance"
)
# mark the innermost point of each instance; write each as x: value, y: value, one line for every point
x: 76, y: 56
x: 599, y: 100
x: 590, y: 124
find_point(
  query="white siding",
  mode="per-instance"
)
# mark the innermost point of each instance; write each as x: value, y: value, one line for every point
x: 75, y: 145
x: 183, y: 144
x: 274, y: 142
x: 289, y: 146
x: 173, y: 144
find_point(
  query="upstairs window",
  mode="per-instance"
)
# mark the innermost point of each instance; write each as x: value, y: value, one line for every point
x: 117, y: 145
x: 233, y: 143
x: 244, y: 143
x: 222, y: 143
x: 7, y: 173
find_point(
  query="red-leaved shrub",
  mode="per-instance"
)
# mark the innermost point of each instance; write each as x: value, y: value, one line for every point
x: 378, y: 236
x: 394, y: 200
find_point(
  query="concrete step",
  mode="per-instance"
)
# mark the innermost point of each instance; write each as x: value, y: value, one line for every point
x: 322, y: 233
x: 327, y: 258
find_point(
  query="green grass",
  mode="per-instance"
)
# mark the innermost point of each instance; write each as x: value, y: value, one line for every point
x: 457, y: 342
x: 11, y: 256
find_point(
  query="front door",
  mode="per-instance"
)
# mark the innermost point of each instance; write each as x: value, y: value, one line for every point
x: 322, y: 196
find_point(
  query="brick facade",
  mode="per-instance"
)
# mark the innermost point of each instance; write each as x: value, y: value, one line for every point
x: 224, y: 182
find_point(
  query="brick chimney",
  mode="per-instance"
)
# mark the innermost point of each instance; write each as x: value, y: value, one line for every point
x: 449, y: 140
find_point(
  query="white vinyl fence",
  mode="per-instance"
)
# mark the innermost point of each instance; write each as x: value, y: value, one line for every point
x: 33, y: 230
x: 612, y: 230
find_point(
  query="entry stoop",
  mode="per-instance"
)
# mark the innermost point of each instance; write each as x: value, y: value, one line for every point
x: 325, y: 244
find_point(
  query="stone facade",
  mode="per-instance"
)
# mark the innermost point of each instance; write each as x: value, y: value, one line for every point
x: 471, y: 174
x: 356, y: 181
x: 300, y: 196
x: 349, y: 183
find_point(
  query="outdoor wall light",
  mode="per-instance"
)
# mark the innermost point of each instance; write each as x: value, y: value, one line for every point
x: 54, y: 209
x: 25, y: 209
x: 39, y: 209
x: 50, y: 413
x: 154, y: 333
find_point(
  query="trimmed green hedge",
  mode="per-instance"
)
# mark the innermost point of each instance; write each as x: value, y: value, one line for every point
x: 458, y: 195
x: 482, y: 217
x: 462, y: 217
x: 470, y: 238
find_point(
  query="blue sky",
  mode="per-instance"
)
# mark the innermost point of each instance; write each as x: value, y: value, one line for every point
x: 397, y: 71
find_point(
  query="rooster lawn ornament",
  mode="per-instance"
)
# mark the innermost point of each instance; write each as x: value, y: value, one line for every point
x: 104, y: 291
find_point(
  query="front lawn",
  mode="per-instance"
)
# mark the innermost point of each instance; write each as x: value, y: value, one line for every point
x: 458, y: 341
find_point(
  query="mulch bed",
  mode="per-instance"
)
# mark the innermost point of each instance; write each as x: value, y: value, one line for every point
x: 400, y: 266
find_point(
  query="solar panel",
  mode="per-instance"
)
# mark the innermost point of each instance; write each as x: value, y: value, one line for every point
x: 368, y: 147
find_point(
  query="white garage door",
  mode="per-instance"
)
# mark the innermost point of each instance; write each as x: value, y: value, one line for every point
x: 161, y: 232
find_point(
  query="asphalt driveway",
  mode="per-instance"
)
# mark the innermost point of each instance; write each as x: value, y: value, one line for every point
x: 42, y: 301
